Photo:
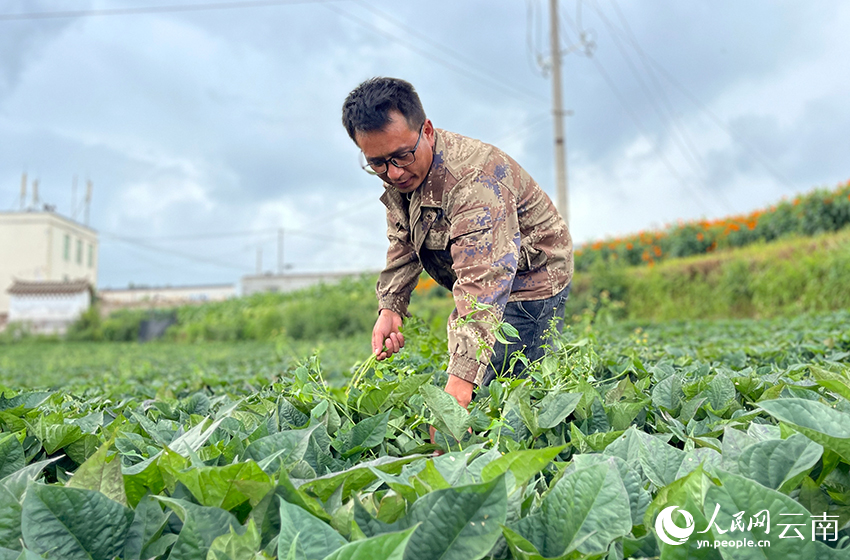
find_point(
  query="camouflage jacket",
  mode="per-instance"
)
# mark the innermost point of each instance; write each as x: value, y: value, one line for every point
x: 482, y: 228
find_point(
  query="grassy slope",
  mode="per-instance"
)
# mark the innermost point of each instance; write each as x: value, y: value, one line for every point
x: 764, y: 280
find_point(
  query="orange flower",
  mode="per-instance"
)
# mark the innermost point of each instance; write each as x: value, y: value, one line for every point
x: 700, y: 237
x: 657, y: 250
x: 629, y: 246
x: 425, y: 284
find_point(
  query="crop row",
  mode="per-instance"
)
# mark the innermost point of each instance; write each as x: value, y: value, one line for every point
x: 743, y: 425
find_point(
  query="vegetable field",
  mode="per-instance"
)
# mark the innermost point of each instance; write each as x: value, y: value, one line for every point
x: 725, y: 439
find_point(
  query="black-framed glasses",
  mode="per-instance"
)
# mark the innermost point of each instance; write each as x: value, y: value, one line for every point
x: 401, y: 160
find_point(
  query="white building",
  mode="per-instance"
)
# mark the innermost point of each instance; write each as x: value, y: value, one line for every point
x: 48, y: 307
x: 165, y: 296
x: 290, y: 282
x: 44, y: 246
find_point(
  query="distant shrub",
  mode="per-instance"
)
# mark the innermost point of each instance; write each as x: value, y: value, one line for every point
x: 820, y: 211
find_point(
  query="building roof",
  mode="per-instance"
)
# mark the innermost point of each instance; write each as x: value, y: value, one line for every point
x: 39, y: 287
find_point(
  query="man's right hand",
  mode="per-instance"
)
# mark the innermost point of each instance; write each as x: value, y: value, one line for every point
x: 386, y: 336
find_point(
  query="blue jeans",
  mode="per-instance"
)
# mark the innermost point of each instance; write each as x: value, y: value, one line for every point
x: 532, y: 319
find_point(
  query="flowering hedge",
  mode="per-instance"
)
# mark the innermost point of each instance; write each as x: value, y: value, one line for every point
x: 819, y: 211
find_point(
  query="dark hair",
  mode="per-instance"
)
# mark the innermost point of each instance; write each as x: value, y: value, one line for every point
x: 367, y: 107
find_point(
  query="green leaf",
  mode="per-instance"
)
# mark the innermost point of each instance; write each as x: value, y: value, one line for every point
x: 458, y: 523
x: 83, y: 448
x: 738, y: 494
x: 201, y: 526
x: 55, y: 436
x: 734, y: 443
x: 449, y: 417
x: 148, y: 523
x: 313, y: 538
x: 555, y: 407
x: 11, y: 455
x: 660, y: 461
x: 281, y: 450
x: 12, y: 490
x: 289, y: 416
x: 667, y: 393
x: 101, y: 473
x: 228, y: 486
x: 407, y: 387
x: 780, y: 463
x: 719, y: 392
x: 366, y: 434
x: 687, y: 493
x: 233, y: 546
x: 822, y: 424
x: 622, y: 414
x: 838, y: 383
x: 588, y: 505
x: 639, y: 498
x: 523, y: 464
x: 72, y: 523
x: 389, y: 546
x: 355, y: 478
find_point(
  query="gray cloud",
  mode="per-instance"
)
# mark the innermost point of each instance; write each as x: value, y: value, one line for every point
x: 229, y: 120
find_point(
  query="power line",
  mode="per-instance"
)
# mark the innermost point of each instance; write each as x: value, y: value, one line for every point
x: 465, y: 72
x: 717, y: 121
x: 688, y: 150
x: 472, y: 64
x: 659, y: 154
x: 691, y: 156
x: 697, y: 195
x: 142, y: 244
x: 204, y: 236
x: 522, y: 131
x: 162, y: 9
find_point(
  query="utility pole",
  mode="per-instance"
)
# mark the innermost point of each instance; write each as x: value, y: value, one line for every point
x: 280, y: 251
x: 23, y: 191
x: 561, y: 199
x: 74, y: 199
x: 88, y: 201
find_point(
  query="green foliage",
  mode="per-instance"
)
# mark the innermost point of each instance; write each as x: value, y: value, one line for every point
x: 226, y: 454
x: 820, y: 211
x: 325, y: 311
x: 780, y: 279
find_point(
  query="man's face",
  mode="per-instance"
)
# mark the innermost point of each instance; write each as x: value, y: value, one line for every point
x: 393, y: 140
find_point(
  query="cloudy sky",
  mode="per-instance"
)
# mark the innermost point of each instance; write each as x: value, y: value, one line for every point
x: 206, y: 130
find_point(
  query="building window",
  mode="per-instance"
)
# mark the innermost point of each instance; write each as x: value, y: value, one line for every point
x: 67, y: 251
x: 79, y: 251
x: 91, y: 255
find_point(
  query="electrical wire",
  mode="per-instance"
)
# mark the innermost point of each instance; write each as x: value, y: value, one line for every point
x: 142, y: 244
x: 651, y: 63
x: 663, y: 158
x: 695, y: 193
x: 677, y: 134
x: 470, y: 63
x: 162, y: 9
x: 495, y: 84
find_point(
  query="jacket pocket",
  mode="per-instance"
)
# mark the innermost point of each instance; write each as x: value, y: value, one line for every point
x: 531, y: 258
